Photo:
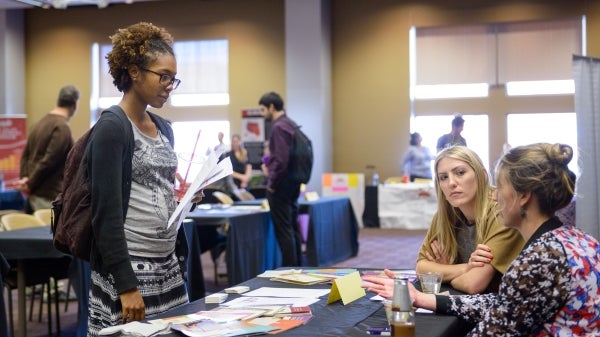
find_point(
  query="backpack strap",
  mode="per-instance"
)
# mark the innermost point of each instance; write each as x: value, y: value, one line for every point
x: 164, y: 126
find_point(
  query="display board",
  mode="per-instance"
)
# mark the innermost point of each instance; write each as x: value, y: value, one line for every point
x: 13, y: 138
x: 351, y: 185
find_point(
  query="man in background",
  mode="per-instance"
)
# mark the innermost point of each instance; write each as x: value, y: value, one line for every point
x: 48, y: 143
x: 282, y: 190
x: 221, y: 148
x: 454, y: 137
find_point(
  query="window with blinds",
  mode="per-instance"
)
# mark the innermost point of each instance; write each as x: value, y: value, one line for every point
x: 462, y: 61
x: 503, y: 78
x: 202, y: 66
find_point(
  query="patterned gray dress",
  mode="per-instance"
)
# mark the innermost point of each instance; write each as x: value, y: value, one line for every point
x: 151, y: 245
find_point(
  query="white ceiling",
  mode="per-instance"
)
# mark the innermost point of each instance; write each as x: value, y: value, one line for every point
x: 17, y: 4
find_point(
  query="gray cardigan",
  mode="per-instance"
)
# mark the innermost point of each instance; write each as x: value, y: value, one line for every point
x: 112, y: 143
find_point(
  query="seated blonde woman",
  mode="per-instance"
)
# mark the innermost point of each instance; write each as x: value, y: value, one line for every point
x: 466, y: 240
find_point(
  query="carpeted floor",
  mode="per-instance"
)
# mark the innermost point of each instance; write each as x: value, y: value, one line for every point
x: 379, y: 248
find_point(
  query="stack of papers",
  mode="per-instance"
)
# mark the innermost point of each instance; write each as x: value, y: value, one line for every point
x: 136, y: 329
x: 301, y: 279
x: 330, y: 273
x: 211, y: 171
x: 264, y: 310
x: 208, y: 328
x: 225, y: 321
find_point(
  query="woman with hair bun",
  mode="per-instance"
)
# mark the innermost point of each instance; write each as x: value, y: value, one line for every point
x: 552, y: 287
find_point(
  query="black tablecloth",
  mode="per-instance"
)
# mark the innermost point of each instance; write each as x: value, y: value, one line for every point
x: 36, y: 243
x: 28, y: 243
x: 4, y: 268
x: 337, y: 319
x: 371, y: 213
x: 11, y: 199
x: 251, y: 244
x: 332, y: 229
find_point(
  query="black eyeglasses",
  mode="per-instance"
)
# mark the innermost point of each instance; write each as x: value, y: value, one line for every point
x: 165, y: 79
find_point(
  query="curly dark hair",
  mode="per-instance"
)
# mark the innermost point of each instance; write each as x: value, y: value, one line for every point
x: 139, y: 44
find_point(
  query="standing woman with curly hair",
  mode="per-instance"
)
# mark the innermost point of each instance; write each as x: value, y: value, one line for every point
x: 136, y: 261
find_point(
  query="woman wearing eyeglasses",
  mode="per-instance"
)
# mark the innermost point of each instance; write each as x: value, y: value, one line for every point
x: 135, y: 261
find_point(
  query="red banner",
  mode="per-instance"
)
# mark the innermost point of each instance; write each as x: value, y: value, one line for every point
x: 12, y: 144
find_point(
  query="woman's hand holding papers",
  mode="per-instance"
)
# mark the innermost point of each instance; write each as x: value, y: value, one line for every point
x: 182, y: 189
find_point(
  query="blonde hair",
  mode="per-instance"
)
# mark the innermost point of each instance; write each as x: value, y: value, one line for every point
x: 446, y: 217
x: 541, y: 169
x: 241, y: 154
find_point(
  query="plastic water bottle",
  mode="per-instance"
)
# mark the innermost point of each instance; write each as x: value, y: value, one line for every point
x: 375, y: 178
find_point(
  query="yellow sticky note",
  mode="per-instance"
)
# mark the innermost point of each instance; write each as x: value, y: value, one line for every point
x: 347, y: 288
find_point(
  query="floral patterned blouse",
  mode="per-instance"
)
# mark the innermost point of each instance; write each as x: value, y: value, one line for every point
x: 550, y: 289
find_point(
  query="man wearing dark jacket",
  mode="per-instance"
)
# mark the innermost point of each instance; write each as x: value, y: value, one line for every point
x: 48, y: 143
x: 282, y: 190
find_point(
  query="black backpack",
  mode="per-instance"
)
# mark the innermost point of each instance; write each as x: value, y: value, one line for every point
x: 301, y: 160
x: 72, y: 208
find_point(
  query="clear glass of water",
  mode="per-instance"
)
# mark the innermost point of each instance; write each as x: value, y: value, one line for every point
x: 431, y: 282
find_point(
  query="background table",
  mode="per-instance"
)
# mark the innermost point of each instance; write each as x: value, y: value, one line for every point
x: 370, y: 215
x: 337, y: 319
x: 36, y: 243
x: 407, y: 206
x: 251, y: 244
x: 26, y: 244
x: 11, y: 199
x: 332, y: 230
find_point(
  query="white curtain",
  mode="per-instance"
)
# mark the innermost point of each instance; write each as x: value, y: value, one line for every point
x: 587, y: 106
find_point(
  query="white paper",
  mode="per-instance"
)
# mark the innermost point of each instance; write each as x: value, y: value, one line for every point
x: 378, y: 298
x: 285, y: 292
x: 135, y: 329
x: 211, y: 171
x: 423, y: 311
x: 253, y: 302
x: 276, y: 273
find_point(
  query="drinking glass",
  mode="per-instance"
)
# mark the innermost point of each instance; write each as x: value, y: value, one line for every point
x: 431, y: 282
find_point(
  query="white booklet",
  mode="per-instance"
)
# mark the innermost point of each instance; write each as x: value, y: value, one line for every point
x: 212, y: 170
x: 137, y: 329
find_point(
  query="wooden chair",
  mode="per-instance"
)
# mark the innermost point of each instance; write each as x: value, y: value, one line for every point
x: 215, y: 238
x: 223, y: 198
x: 14, y: 221
x: 38, y: 272
x: 243, y: 195
x: 44, y: 214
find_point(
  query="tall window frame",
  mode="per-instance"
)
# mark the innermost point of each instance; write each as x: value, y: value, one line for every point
x: 203, y: 67
x: 494, y: 73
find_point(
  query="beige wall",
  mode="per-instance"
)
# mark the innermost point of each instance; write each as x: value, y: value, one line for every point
x: 371, y: 105
x: 370, y: 79
x: 58, y: 44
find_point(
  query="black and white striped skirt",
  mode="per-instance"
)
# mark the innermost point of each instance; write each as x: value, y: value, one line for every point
x: 159, y: 281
